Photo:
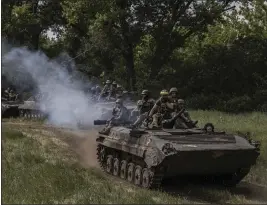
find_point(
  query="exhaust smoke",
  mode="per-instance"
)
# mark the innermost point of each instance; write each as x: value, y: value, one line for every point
x: 65, y: 101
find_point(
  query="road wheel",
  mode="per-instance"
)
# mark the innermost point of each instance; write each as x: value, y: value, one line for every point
x: 145, y: 178
x: 116, y: 167
x: 138, y: 175
x: 109, y: 164
x: 130, y: 172
x: 123, y: 169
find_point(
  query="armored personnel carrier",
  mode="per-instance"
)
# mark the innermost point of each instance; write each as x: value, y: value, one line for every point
x: 31, y: 109
x: 147, y: 156
x: 9, y: 108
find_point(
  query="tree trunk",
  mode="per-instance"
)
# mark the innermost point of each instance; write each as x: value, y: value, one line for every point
x: 35, y: 40
x: 160, y: 58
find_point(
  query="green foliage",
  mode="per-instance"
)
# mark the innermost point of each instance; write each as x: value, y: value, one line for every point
x: 208, y: 52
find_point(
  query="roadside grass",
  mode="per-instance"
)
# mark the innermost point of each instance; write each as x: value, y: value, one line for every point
x: 40, y: 167
x: 254, y: 123
x: 34, y: 172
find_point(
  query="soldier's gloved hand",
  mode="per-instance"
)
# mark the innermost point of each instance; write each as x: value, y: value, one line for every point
x: 164, y: 121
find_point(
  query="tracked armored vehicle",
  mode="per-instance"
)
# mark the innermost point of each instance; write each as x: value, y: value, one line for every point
x: 30, y: 109
x: 9, y: 108
x: 106, y: 108
x: 147, y: 156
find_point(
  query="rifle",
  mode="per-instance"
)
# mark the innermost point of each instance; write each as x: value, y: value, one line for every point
x: 177, y: 116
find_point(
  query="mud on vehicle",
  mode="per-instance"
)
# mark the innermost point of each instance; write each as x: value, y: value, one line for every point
x: 147, y: 156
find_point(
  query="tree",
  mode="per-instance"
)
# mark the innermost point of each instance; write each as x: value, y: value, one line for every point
x: 25, y: 21
x: 171, y: 23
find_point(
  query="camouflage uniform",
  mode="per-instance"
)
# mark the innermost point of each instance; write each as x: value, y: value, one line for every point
x: 97, y: 90
x: 173, y: 97
x: 143, y: 107
x: 119, y: 92
x: 120, y: 115
x: 105, y: 90
x: 7, y: 93
x: 12, y: 96
x: 161, y: 110
x: 184, y: 121
x: 112, y: 91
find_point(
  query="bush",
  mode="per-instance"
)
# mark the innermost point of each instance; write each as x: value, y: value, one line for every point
x: 239, y: 104
x: 204, y: 102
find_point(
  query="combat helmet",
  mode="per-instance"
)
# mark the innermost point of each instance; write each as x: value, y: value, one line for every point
x: 173, y: 90
x: 164, y: 93
x: 108, y: 82
x: 119, y: 101
x: 144, y: 92
x: 114, y: 83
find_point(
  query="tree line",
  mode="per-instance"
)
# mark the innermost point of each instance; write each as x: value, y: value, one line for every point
x: 214, y: 52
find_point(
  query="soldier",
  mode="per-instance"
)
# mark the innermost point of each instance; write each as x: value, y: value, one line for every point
x: 161, y: 110
x: 174, y: 95
x: 12, y: 95
x: 105, y: 90
x: 143, y: 108
x: 184, y: 121
x: 6, y: 93
x: 120, y: 115
x: 97, y: 90
x: 119, y: 92
x: 112, y: 91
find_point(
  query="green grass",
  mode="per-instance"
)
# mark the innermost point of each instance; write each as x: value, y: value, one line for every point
x: 34, y: 172
x: 39, y: 167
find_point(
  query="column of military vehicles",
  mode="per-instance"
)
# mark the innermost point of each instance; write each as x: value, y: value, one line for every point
x: 146, y: 154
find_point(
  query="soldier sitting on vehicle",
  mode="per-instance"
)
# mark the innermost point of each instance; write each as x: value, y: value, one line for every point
x: 120, y: 116
x: 183, y: 121
x: 119, y: 92
x: 6, y: 93
x: 112, y: 91
x: 105, y: 90
x: 97, y: 90
x: 143, y: 108
x: 174, y: 96
x: 12, y: 95
x: 161, y: 110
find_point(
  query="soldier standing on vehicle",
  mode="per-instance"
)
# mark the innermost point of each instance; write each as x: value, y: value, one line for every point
x: 161, y: 110
x: 105, y: 90
x: 120, y: 116
x: 143, y: 108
